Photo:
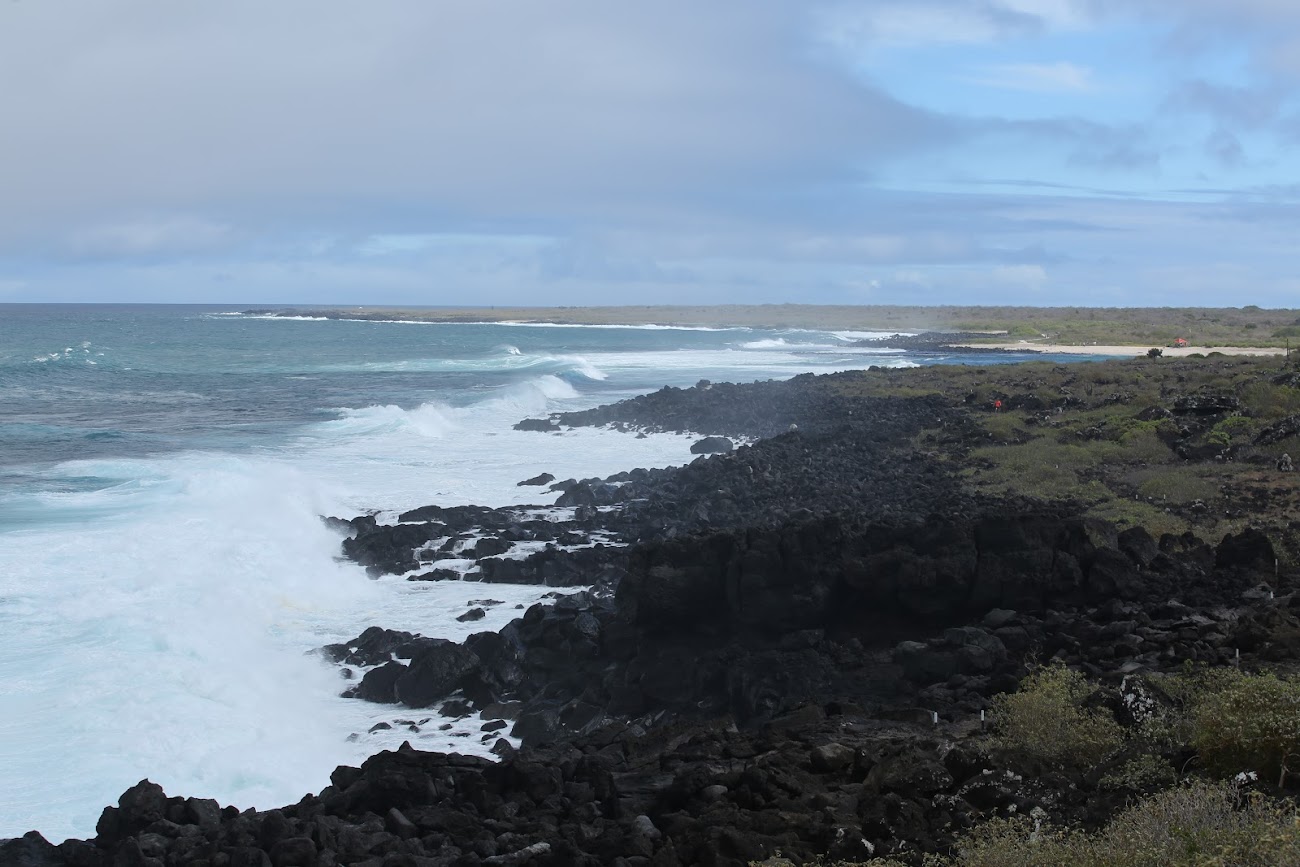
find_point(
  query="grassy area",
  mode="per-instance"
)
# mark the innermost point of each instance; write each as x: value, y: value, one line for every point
x: 1242, y: 728
x: 1118, y: 438
x: 1153, y: 326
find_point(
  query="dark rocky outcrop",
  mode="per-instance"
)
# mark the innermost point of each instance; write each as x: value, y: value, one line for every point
x: 813, y: 404
x: 784, y: 648
x: 434, y: 673
x: 954, y: 342
x: 1206, y: 404
x: 712, y: 446
x: 823, y: 780
x: 1285, y: 429
x: 753, y: 623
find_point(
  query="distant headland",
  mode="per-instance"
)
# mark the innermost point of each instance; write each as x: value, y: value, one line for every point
x: 1115, y: 329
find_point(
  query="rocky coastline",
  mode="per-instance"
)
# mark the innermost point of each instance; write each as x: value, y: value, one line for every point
x: 787, y: 646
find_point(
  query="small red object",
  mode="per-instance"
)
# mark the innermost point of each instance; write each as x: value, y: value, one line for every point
x: 997, y: 404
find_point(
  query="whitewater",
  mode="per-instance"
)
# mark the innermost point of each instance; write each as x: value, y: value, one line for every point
x: 164, y: 570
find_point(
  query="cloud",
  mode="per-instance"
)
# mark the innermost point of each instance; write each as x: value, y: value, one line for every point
x: 337, y: 113
x: 517, y: 151
x: 1087, y: 143
x: 1060, y: 77
x: 1020, y: 276
x: 860, y: 26
x: 1225, y: 148
x: 170, y: 235
x: 1240, y: 106
x: 1270, y: 29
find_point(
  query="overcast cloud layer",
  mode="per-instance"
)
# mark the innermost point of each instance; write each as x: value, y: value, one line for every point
x: 588, y: 152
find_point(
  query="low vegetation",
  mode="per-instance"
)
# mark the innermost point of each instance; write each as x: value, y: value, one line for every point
x: 1049, y: 719
x: 1210, y: 814
x: 1173, y: 445
x: 1196, y: 825
x: 1199, y: 824
x: 1250, y: 723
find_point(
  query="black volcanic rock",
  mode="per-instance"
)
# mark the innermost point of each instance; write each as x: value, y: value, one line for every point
x: 760, y: 409
x: 1248, y: 549
x: 1278, y: 431
x: 390, y: 549
x: 375, y: 646
x: 753, y: 623
x: 434, y: 673
x: 30, y: 850
x: 379, y: 684
x: 712, y: 446
x: 1206, y: 404
x: 786, y: 648
x: 935, y: 341
x: 540, y: 425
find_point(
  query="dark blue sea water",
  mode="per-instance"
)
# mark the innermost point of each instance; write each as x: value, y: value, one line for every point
x: 163, y: 568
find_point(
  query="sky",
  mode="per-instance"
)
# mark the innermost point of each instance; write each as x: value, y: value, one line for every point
x: 578, y: 152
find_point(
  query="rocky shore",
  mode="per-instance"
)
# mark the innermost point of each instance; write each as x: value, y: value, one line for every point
x: 787, y: 646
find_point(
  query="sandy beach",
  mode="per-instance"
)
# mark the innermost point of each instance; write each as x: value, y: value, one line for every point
x: 1117, y: 350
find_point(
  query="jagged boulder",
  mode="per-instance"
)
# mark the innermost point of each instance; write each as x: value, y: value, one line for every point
x: 1278, y: 431
x: 435, y: 673
x: 1249, y: 549
x: 712, y: 446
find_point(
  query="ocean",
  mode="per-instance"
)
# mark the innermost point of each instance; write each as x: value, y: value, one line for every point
x: 164, y: 572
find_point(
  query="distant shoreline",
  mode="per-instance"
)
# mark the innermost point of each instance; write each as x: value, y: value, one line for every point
x: 1120, y: 350
x: 1044, y: 329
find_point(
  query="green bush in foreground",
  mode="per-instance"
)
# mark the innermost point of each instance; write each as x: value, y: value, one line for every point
x: 1250, y: 723
x: 1142, y: 773
x: 1047, y: 720
x: 1200, y: 825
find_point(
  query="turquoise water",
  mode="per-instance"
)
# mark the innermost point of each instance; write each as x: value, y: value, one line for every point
x: 163, y: 568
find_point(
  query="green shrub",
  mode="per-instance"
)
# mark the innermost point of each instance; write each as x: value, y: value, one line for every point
x: 1200, y: 825
x: 1143, y: 773
x: 1022, y: 842
x: 1235, y: 427
x: 1143, y: 445
x: 1022, y: 331
x: 1251, y: 723
x: 1171, y: 725
x: 1267, y: 400
x: 1047, y: 720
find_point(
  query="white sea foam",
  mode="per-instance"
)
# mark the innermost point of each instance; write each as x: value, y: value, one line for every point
x: 284, y: 317
x: 868, y: 335
x: 767, y: 343
x: 170, y: 639
x: 167, y: 637
x: 394, y: 459
x: 782, y: 344
x: 644, y: 327
x: 775, y: 362
x: 507, y: 362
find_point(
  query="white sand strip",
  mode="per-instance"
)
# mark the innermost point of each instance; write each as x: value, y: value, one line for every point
x: 1111, y: 349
